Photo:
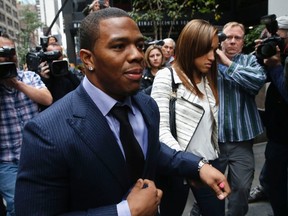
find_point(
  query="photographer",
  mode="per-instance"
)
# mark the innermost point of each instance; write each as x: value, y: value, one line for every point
x: 61, y: 80
x: 95, y: 6
x: 273, y: 176
x: 20, y: 94
x: 240, y: 77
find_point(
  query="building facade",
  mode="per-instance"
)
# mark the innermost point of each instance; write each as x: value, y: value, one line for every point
x: 245, y: 11
x: 9, y: 21
x: 52, y: 24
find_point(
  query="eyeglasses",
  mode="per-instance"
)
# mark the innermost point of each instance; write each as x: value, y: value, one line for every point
x: 237, y: 38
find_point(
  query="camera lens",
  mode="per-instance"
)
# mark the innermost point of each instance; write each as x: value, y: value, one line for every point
x: 266, y: 50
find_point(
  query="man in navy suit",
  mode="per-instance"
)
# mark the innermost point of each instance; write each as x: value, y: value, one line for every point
x: 72, y: 160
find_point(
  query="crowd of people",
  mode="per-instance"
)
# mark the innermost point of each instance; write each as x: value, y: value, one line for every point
x: 100, y: 142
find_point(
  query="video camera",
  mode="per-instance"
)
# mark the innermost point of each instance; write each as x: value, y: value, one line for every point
x: 35, y: 57
x: 56, y: 67
x: 44, y: 42
x: 7, y: 69
x: 267, y: 48
x: 149, y: 42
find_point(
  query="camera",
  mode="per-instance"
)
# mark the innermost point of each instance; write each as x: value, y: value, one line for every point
x: 7, y: 69
x: 44, y: 42
x: 222, y: 37
x: 7, y: 52
x: 156, y: 42
x: 267, y: 48
x: 56, y: 67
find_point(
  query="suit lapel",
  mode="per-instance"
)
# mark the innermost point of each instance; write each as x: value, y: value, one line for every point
x: 92, y: 127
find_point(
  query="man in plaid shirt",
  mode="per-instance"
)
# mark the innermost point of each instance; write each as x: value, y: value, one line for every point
x: 19, y: 99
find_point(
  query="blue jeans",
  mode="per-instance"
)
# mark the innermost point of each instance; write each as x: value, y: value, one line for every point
x: 175, y: 194
x: 8, y: 174
x: 207, y: 200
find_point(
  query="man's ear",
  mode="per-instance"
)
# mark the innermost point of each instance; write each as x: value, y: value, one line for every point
x: 86, y: 57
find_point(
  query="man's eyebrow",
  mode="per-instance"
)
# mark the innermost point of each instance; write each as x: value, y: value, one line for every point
x: 125, y: 39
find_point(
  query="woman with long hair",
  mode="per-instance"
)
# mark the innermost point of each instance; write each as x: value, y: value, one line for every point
x: 195, y: 73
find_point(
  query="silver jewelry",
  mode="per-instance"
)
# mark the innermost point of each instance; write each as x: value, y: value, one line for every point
x: 90, y: 68
x: 202, y: 163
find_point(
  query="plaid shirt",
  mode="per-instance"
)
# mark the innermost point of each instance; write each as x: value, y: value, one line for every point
x: 238, y: 85
x: 15, y: 110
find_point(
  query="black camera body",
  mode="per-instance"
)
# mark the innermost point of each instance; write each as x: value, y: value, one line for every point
x: 7, y: 69
x: 267, y: 48
x: 44, y: 42
x: 56, y: 67
x: 222, y: 37
x: 7, y: 52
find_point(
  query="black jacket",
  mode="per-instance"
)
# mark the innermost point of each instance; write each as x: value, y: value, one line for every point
x: 276, y: 107
x: 61, y: 85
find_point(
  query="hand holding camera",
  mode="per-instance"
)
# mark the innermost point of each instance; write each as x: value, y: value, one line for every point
x: 8, y: 67
x: 269, y: 46
x: 10, y: 82
x: 44, y: 70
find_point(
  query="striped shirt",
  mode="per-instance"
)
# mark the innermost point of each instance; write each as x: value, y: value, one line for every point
x: 16, y: 109
x: 238, y: 85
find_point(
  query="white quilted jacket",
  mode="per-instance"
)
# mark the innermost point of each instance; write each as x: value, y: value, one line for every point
x: 188, y: 110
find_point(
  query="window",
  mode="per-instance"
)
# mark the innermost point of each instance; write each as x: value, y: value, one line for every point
x: 8, y: 9
x: 9, y: 22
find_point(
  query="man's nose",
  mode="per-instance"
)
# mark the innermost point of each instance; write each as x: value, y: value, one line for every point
x: 135, y: 53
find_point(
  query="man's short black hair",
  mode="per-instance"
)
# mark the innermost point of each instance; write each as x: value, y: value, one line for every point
x: 89, y: 29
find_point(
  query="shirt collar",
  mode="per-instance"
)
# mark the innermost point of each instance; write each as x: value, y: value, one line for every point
x: 103, y: 101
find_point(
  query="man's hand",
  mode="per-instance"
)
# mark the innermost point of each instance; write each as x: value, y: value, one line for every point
x: 273, y: 60
x: 44, y: 70
x: 216, y: 180
x: 222, y: 58
x: 11, y: 82
x: 144, y: 198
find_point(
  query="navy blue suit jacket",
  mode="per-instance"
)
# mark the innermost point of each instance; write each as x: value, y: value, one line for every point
x: 71, y: 163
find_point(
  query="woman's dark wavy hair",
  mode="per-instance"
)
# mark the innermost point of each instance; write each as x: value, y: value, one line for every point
x: 194, y: 41
x: 89, y: 29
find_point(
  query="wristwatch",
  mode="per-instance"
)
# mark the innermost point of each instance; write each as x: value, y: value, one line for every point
x: 201, y: 163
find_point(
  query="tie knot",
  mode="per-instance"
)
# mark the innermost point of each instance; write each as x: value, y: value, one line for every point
x: 120, y: 112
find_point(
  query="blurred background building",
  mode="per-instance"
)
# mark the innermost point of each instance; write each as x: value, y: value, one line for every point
x: 65, y: 25
x: 245, y: 11
x: 47, y: 10
x: 9, y: 21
